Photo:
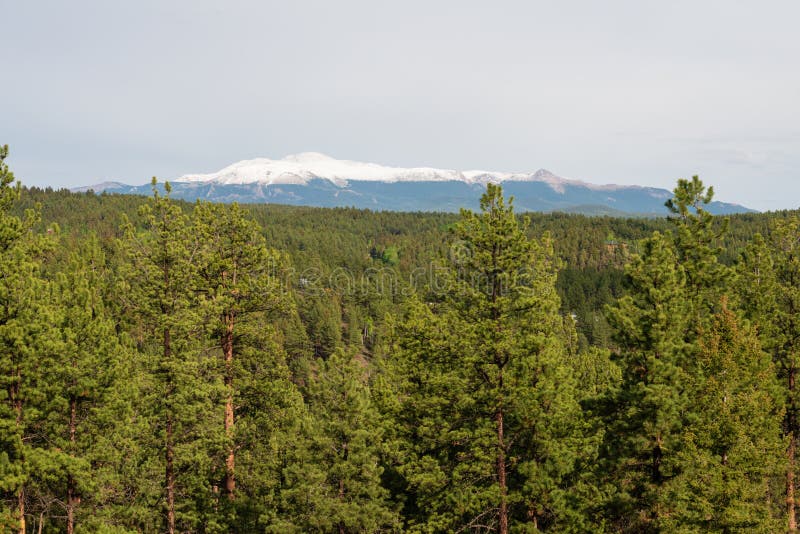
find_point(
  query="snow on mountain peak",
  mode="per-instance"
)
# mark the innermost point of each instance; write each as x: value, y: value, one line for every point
x: 305, y: 166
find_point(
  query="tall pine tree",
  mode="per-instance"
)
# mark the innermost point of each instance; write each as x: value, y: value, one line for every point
x: 85, y: 400
x: 769, y: 286
x: 487, y: 408
x: 681, y: 453
x: 650, y: 407
x: 23, y: 316
x: 732, y: 455
x: 180, y: 392
x: 243, y: 282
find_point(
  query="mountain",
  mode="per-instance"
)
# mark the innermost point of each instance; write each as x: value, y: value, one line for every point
x: 313, y: 179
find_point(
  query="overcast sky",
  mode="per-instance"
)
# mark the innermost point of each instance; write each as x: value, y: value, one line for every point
x: 629, y: 92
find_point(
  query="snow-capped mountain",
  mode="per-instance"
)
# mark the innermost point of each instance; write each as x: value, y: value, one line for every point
x: 313, y: 179
x: 299, y: 169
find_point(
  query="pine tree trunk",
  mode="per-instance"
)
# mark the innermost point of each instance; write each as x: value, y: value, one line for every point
x: 230, y: 462
x: 169, y: 472
x: 790, y: 499
x: 72, y: 497
x: 21, y: 509
x: 656, y: 456
x: 790, y: 454
x: 501, y: 472
x: 16, y: 401
x: 342, y: 529
x: 533, y: 519
x: 170, y: 478
x: 500, y: 361
x: 70, y: 506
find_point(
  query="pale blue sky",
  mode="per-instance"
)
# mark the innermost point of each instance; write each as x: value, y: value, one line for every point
x: 634, y: 92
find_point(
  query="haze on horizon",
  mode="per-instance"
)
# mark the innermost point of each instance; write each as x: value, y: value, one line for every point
x: 618, y: 92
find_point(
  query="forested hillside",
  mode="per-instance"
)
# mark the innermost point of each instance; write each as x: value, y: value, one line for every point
x: 177, y: 367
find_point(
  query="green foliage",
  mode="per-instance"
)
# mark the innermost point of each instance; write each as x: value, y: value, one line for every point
x: 685, y: 450
x: 697, y: 243
x: 24, y: 317
x: 390, y: 256
x: 733, y: 454
x: 82, y: 425
x: 178, y: 394
x: 770, y: 297
x: 322, y: 316
x: 241, y: 287
x: 285, y: 369
x: 334, y: 484
x: 650, y: 408
x: 487, y: 402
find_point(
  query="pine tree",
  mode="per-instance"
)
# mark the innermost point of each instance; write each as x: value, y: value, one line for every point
x: 323, y: 320
x: 487, y: 404
x: 334, y: 484
x: 270, y: 416
x: 768, y: 284
x: 697, y: 238
x: 680, y: 452
x: 81, y: 400
x: 92, y: 379
x: 244, y: 286
x: 732, y: 453
x: 651, y: 407
x: 21, y: 287
x: 245, y: 304
x: 181, y: 393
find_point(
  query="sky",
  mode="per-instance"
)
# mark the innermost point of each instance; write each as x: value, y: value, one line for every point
x: 627, y: 92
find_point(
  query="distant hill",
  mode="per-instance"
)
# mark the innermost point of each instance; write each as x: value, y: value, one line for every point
x: 312, y: 179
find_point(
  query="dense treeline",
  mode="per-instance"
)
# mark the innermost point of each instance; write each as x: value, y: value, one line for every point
x: 180, y: 367
x: 346, y: 243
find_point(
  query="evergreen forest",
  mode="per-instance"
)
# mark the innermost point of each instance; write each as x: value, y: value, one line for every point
x: 222, y: 368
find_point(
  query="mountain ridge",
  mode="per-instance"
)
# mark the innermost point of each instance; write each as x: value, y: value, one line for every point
x: 314, y: 179
x: 299, y: 168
